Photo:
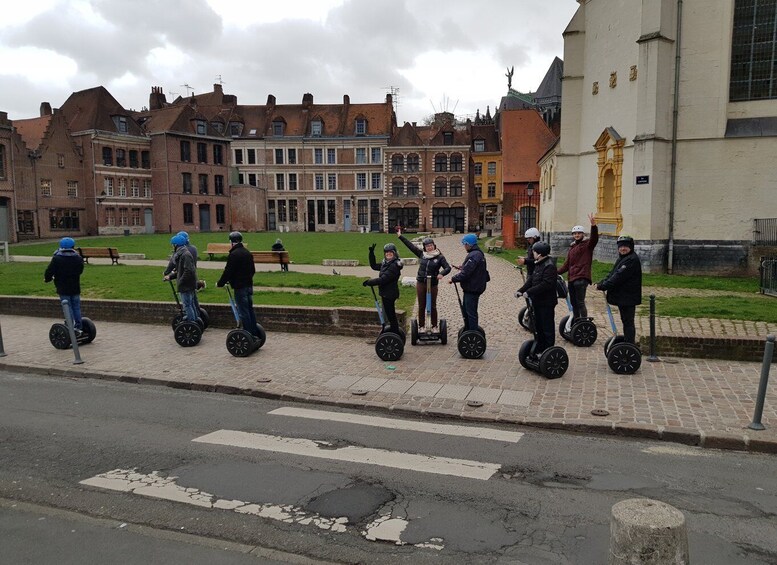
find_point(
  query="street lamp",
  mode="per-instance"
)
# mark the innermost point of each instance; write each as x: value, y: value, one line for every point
x: 530, y: 193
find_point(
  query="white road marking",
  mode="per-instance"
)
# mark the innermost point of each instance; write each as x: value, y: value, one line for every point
x: 391, y: 423
x: 681, y: 451
x: 365, y: 455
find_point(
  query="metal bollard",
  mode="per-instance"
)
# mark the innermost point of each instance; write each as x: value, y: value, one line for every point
x: 2, y: 349
x: 759, y: 403
x: 653, y: 357
x: 72, y: 330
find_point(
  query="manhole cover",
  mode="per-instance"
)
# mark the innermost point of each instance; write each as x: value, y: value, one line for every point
x: 599, y: 412
x: 264, y: 380
x: 474, y: 403
x: 359, y: 392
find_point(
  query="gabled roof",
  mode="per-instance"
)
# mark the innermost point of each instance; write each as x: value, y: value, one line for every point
x: 406, y: 136
x: 32, y: 130
x: 94, y: 109
x: 525, y: 138
x: 551, y: 84
x: 178, y: 119
x: 488, y: 134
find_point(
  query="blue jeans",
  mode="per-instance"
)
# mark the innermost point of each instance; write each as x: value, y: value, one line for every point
x: 74, y: 301
x: 245, y: 309
x: 189, y: 310
x: 471, y: 300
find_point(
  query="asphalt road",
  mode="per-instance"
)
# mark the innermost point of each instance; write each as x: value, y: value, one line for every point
x: 161, y: 475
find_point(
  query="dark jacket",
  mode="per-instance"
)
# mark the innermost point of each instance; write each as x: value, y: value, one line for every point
x: 473, y: 275
x: 580, y: 257
x: 277, y: 247
x: 624, y: 282
x: 171, y: 264
x: 388, y: 279
x: 239, y: 270
x: 427, y: 266
x: 529, y: 260
x: 65, y: 269
x: 185, y: 270
x: 541, y: 284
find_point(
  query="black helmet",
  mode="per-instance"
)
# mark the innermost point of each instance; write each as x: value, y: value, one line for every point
x: 541, y: 248
x: 427, y: 241
x: 625, y: 241
x: 390, y: 247
x: 235, y: 237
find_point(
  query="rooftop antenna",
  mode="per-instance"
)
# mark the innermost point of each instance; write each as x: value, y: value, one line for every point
x: 173, y: 95
x: 394, y: 91
x: 187, y: 87
x: 218, y: 79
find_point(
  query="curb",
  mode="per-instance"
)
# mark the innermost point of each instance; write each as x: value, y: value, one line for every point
x: 728, y: 441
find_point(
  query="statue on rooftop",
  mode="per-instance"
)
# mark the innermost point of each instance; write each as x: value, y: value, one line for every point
x: 509, y: 76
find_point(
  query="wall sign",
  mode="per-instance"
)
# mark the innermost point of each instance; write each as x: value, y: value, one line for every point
x: 643, y: 179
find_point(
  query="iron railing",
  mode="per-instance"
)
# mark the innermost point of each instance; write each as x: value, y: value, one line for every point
x: 765, y: 231
x: 768, y: 270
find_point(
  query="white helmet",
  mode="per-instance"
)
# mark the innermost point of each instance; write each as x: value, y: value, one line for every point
x: 532, y: 232
x: 580, y: 229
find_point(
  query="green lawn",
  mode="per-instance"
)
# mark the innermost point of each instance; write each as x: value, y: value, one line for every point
x: 303, y: 248
x: 124, y: 282
x: 757, y: 308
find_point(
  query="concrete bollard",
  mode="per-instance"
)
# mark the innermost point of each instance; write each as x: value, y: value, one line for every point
x: 647, y: 532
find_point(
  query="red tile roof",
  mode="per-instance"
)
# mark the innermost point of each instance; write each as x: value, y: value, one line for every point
x: 93, y: 109
x: 32, y: 130
x: 525, y: 138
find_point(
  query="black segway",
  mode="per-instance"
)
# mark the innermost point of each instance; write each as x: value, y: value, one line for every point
x: 524, y: 318
x: 624, y: 358
x: 179, y: 316
x: 59, y: 335
x: 471, y: 342
x: 428, y: 336
x: 389, y: 346
x: 580, y: 331
x: 551, y: 363
x: 241, y: 342
x: 186, y: 333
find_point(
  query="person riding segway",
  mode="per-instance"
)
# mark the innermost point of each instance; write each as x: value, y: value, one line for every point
x: 578, y: 327
x: 389, y: 345
x: 188, y: 331
x: 473, y: 276
x: 532, y: 236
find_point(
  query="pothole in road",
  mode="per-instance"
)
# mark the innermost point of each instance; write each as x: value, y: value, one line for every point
x: 356, y: 502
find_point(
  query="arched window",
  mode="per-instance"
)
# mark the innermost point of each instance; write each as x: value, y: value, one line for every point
x: 397, y: 163
x: 456, y: 162
x: 440, y: 163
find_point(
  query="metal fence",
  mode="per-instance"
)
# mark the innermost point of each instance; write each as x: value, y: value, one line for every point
x: 765, y: 231
x: 769, y: 275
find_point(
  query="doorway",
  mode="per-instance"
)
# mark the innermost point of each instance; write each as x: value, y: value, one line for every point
x: 148, y: 215
x: 5, y: 230
x: 204, y: 217
x: 346, y: 215
x: 311, y: 215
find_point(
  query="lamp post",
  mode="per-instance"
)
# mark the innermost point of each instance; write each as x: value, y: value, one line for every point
x: 530, y: 193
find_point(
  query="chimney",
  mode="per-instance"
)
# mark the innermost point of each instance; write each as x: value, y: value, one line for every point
x: 414, y: 124
x: 346, y: 99
x: 389, y: 99
x: 218, y: 89
x: 270, y: 100
x: 156, y: 99
x: 307, y: 100
x: 45, y: 109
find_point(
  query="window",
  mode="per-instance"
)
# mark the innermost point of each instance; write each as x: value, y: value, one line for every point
x: 240, y: 178
x: 251, y: 154
x: 123, y: 187
x: 45, y: 187
x: 280, y: 181
x: 2, y: 162
x: 292, y: 181
x: 110, y: 216
x: 330, y: 212
x: 203, y: 184
x: 24, y: 221
x: 361, y: 155
x: 456, y: 164
x: 278, y: 127
x: 377, y: 157
x: 320, y: 212
x: 121, y: 123
x: 187, y: 182
x: 252, y: 179
x: 72, y: 189
x: 479, y: 190
x: 292, y: 155
x: 121, y: 158
x: 316, y: 126
x: 440, y: 188
x: 146, y: 189
x: 221, y: 214
x: 331, y: 157
x: 188, y: 213
x: 376, y: 184
x: 108, y: 187
x: 293, y: 214
x: 218, y: 154
x: 186, y: 151
x: 60, y: 160
x: 405, y: 217
x: 478, y: 169
x: 279, y: 156
x: 218, y: 126
x: 456, y: 188
x: 412, y: 163
x: 107, y: 156
x: 492, y: 190
x: 218, y: 185
x: 753, y: 56
x: 361, y: 127
x: 447, y: 138
x: 145, y: 159
x: 319, y: 182
x: 397, y: 187
x: 235, y: 129
x: 331, y: 181
x: 491, y: 168
x: 361, y: 181
x: 440, y: 163
x: 64, y: 219
x: 134, y: 188
x: 480, y: 145
x: 412, y: 187
x: 136, y: 216
x: 318, y: 156
x: 448, y: 218
x: 201, y: 127
x: 281, y: 210
x: 133, y: 159
x: 361, y: 216
x: 202, y: 152
x: 238, y: 156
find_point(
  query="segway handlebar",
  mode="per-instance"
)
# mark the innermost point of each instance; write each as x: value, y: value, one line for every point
x: 377, y: 306
x: 175, y: 292
x: 232, y: 304
x: 609, y: 314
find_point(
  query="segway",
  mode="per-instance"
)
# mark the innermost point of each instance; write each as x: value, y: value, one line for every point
x: 186, y: 333
x: 389, y: 346
x: 428, y: 336
x: 179, y: 316
x: 624, y: 358
x: 551, y: 363
x: 524, y: 318
x: 241, y: 342
x: 59, y: 335
x: 580, y: 331
x: 471, y: 342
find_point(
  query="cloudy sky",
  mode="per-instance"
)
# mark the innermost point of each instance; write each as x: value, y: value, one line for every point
x: 441, y: 54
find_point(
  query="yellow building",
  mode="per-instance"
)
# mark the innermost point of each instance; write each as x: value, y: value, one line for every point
x: 487, y: 174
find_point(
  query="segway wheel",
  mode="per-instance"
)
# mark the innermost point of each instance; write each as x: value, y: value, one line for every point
x: 403, y: 335
x: 443, y: 332
x: 177, y: 319
x: 59, y: 336
x: 413, y: 332
x: 523, y: 353
x: 240, y: 343
x: 562, y: 328
x: 187, y: 334
x: 482, y: 331
x: 205, y: 318
x: 554, y: 362
x: 624, y: 358
x: 262, y: 336
x: 614, y: 340
x: 584, y: 333
x: 472, y: 344
x: 89, y: 329
x: 389, y: 346
x: 523, y: 318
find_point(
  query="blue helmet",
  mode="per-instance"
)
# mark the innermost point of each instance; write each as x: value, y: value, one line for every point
x: 185, y: 235
x: 178, y: 240
x: 67, y: 243
x: 469, y: 239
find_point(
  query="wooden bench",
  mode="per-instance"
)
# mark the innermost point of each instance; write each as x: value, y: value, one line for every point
x: 497, y: 247
x: 218, y: 249
x: 100, y: 252
x: 279, y: 257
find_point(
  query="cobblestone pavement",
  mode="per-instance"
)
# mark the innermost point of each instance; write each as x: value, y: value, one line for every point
x: 705, y: 402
